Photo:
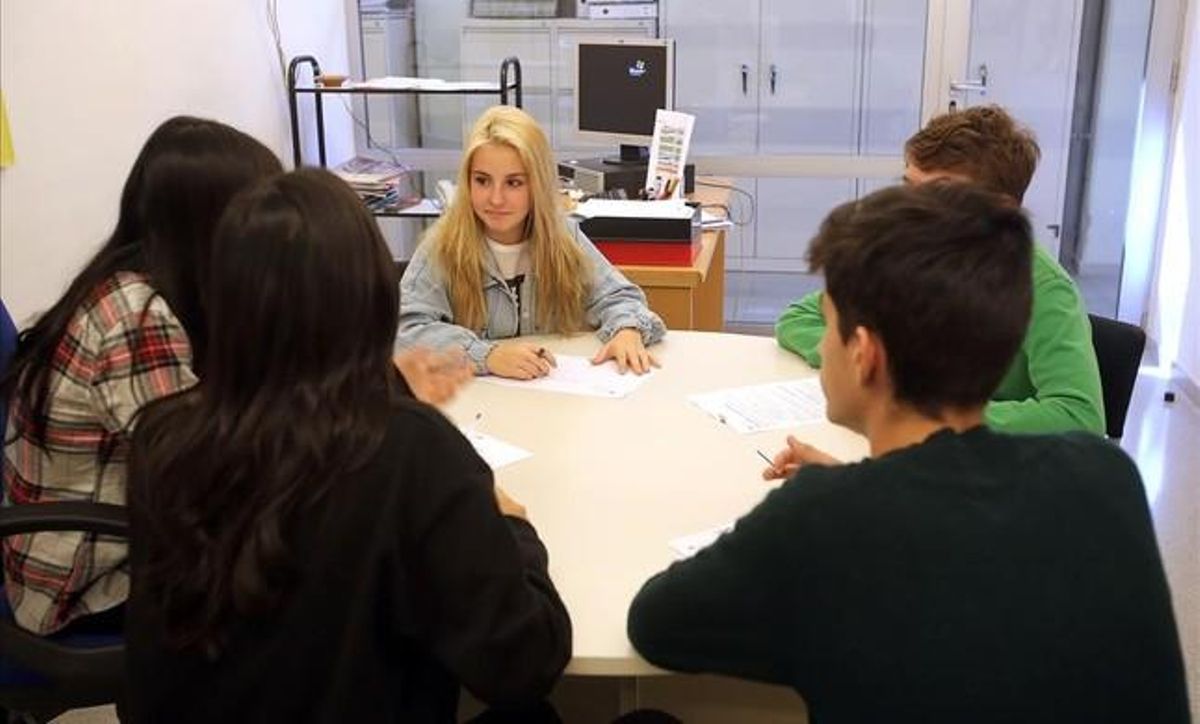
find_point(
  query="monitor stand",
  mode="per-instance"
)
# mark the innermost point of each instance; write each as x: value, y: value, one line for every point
x: 630, y: 155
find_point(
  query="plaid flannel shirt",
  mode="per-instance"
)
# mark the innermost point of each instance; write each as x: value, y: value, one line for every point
x: 123, y: 349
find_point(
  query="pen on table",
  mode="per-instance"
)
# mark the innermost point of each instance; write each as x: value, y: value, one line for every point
x: 474, y: 426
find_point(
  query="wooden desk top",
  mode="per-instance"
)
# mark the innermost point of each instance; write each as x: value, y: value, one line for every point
x: 611, y: 482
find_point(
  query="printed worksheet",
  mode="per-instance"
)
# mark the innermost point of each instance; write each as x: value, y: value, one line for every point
x: 668, y: 154
x: 494, y: 451
x: 576, y: 375
x: 774, y: 406
x: 687, y: 546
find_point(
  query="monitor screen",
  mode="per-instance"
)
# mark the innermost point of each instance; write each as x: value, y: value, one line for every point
x: 619, y: 84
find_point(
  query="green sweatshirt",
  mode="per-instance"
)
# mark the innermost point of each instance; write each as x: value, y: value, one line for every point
x: 1053, y: 384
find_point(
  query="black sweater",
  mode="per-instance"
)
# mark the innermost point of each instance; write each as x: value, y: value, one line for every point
x: 973, y: 578
x: 412, y: 583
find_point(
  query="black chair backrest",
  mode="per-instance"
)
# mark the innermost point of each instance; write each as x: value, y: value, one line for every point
x: 75, y: 671
x: 1119, y: 348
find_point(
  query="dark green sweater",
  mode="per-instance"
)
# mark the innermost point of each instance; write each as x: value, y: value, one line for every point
x: 977, y: 577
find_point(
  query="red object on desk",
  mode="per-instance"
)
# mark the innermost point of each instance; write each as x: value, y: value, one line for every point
x: 649, y: 253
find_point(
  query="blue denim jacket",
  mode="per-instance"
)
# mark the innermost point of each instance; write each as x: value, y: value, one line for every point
x: 614, y: 303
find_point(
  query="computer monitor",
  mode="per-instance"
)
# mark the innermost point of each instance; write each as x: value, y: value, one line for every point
x: 619, y: 84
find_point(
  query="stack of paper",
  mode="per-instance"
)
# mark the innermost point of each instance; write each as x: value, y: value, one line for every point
x: 396, y: 82
x: 382, y: 185
x: 689, y: 545
x: 576, y: 375
x: 774, y: 406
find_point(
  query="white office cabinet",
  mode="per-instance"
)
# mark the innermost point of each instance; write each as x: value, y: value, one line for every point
x: 387, y: 47
x: 894, y: 53
x: 789, y: 212
x: 809, y: 76
x: 546, y: 49
x: 486, y: 43
x: 716, y: 71
x: 772, y: 77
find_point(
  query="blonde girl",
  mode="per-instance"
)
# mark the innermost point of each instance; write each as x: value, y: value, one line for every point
x: 504, y: 261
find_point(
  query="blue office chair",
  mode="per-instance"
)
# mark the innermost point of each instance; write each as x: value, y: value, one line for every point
x: 41, y: 677
x: 8, y: 347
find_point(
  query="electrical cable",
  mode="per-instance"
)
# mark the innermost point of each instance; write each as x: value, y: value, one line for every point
x: 273, y: 25
x: 728, y: 209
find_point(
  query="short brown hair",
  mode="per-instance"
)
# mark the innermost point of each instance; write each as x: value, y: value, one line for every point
x: 983, y: 143
x: 942, y: 273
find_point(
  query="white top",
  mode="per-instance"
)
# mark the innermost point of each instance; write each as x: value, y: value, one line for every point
x: 513, y: 259
x: 612, y: 482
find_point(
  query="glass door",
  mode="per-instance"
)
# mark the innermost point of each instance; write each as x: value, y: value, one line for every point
x: 1020, y: 54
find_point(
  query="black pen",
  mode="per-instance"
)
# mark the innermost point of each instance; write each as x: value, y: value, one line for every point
x: 763, y: 455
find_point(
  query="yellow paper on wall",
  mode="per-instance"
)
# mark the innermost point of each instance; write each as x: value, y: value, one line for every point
x: 6, y: 146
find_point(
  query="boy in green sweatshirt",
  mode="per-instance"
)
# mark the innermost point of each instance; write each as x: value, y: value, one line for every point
x: 1053, y: 382
x: 958, y: 574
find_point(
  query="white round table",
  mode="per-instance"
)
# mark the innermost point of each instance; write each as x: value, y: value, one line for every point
x: 612, y: 481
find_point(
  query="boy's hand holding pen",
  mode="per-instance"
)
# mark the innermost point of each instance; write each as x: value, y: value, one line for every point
x: 795, y: 456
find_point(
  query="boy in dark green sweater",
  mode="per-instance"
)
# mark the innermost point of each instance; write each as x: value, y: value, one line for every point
x: 1053, y: 383
x: 958, y: 574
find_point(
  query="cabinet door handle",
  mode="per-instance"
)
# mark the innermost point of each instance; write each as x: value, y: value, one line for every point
x: 745, y: 79
x: 774, y: 77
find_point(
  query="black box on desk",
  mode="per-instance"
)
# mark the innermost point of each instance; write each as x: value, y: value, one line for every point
x: 637, y: 228
x: 645, y: 240
x: 596, y: 175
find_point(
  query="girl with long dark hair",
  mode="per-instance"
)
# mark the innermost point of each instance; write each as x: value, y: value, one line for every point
x: 125, y: 332
x: 309, y: 543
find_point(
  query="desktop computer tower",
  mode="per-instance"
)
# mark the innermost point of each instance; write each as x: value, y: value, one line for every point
x: 595, y: 175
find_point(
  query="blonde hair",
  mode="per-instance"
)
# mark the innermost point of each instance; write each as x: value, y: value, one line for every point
x: 459, y: 247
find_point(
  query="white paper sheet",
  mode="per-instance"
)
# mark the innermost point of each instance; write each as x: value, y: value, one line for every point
x: 494, y: 451
x: 668, y: 154
x: 774, y: 406
x: 576, y: 375
x: 395, y: 82
x: 632, y: 209
x: 689, y: 545
x: 710, y: 220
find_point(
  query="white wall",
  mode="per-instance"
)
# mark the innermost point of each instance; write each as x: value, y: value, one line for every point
x: 1176, y: 306
x: 85, y: 83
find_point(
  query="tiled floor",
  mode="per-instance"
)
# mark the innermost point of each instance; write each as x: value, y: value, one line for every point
x: 1161, y: 436
x: 757, y: 298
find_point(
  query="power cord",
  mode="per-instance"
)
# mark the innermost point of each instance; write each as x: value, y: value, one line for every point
x: 389, y: 150
x: 728, y: 209
x: 273, y: 25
